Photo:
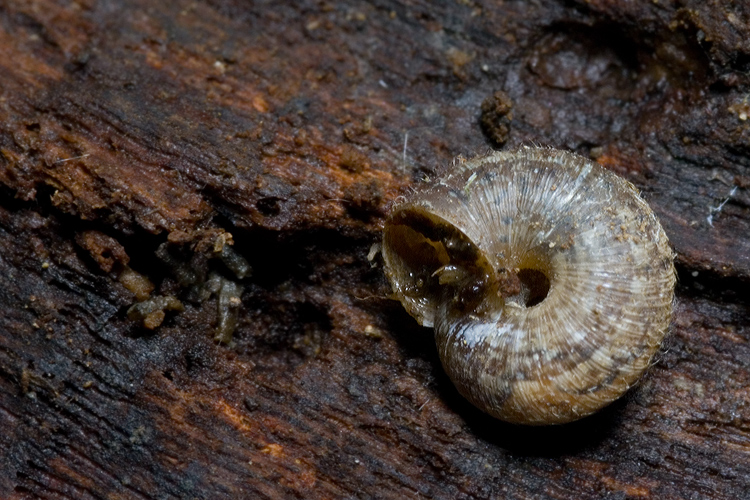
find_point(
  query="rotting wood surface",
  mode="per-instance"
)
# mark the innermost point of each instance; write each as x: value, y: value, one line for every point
x: 136, y: 137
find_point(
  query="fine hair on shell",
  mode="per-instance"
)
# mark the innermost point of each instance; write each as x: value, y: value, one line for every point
x: 548, y: 280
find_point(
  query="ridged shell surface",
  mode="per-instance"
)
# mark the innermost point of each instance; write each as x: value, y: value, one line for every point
x: 548, y: 280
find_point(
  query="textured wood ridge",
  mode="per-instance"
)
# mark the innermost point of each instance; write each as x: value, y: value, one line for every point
x: 228, y: 163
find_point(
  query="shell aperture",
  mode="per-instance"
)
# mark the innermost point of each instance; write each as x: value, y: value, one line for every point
x: 548, y: 280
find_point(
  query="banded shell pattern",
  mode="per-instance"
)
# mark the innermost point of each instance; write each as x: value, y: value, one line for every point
x: 548, y: 280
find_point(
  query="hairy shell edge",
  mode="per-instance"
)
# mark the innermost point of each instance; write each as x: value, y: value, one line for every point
x: 548, y: 280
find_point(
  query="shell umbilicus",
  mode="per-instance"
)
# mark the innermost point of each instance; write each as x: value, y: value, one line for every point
x: 548, y: 280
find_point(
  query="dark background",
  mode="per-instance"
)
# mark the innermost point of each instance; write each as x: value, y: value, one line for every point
x: 134, y: 135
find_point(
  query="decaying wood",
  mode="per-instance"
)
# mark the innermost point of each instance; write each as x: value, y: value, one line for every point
x: 194, y: 154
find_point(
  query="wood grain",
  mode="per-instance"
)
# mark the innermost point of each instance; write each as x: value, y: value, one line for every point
x: 146, y: 137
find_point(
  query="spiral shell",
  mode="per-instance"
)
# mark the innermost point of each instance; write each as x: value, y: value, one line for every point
x: 549, y: 281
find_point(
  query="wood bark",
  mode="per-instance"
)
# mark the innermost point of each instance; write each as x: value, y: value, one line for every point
x: 228, y: 165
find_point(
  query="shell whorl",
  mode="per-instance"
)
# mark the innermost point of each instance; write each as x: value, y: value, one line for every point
x: 549, y: 281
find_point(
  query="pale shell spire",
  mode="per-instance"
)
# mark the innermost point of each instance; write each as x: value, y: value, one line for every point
x: 549, y: 281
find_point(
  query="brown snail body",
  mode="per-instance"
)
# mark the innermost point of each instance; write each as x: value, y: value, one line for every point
x: 549, y: 281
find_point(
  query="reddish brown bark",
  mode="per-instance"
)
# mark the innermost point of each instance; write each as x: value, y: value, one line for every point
x: 150, y: 136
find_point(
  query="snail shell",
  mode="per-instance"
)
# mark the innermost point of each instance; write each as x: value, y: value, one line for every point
x: 548, y: 280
